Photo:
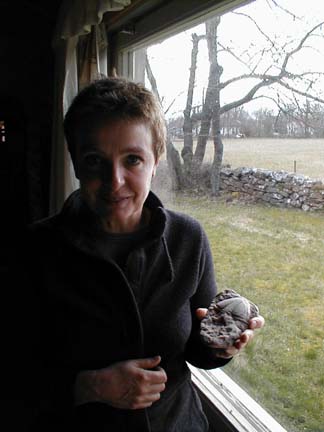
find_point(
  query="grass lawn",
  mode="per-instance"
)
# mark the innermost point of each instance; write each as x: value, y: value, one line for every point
x: 274, y: 257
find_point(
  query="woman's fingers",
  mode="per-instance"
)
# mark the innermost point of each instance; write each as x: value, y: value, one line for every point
x: 145, y: 401
x: 244, y: 339
x: 147, y: 363
x: 156, y: 377
x: 132, y: 384
x: 257, y: 322
x: 201, y: 313
x: 156, y: 388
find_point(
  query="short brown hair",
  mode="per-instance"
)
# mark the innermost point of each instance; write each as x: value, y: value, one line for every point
x: 112, y: 99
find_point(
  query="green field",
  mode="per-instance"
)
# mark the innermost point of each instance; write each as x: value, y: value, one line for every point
x: 274, y: 257
x: 273, y: 154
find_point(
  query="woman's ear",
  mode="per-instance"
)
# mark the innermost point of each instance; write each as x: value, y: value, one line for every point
x: 155, y: 168
x: 76, y: 169
x: 76, y: 162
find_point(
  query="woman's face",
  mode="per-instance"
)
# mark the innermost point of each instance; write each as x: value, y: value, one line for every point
x: 115, y: 174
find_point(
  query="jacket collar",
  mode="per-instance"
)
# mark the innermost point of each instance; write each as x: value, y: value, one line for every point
x: 79, y: 226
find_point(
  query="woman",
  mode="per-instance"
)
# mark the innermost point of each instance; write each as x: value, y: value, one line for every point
x: 118, y: 284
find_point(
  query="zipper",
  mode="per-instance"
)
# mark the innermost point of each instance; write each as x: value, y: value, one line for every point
x: 140, y: 323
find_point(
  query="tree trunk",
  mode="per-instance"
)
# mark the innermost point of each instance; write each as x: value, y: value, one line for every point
x: 205, y: 121
x: 152, y: 79
x: 216, y: 70
x: 218, y: 158
x: 187, y: 151
x: 211, y: 93
x: 173, y: 158
x: 174, y: 165
x: 306, y: 123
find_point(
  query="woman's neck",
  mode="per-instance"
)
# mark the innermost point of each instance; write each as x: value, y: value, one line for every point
x: 129, y: 226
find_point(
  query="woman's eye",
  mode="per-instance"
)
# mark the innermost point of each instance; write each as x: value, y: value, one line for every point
x: 133, y: 159
x: 92, y: 161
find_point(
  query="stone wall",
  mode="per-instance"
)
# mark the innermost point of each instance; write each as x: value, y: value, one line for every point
x: 277, y: 188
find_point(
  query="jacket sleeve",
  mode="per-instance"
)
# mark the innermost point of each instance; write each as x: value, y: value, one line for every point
x: 197, y: 353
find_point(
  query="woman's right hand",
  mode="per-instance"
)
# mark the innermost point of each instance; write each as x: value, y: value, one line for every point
x: 129, y: 384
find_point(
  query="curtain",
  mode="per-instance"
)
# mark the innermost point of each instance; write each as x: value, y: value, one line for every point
x: 80, y: 47
x: 92, y: 55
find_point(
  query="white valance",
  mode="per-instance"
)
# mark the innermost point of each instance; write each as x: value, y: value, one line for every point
x: 77, y: 16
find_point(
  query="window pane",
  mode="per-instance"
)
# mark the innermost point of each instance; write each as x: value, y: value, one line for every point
x: 249, y: 84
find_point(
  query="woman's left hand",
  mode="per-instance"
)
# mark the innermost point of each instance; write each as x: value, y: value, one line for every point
x: 245, y: 338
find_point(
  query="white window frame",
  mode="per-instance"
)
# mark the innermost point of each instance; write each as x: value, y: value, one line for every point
x: 240, y: 410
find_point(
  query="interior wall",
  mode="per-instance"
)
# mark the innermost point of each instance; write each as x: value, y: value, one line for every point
x: 26, y: 94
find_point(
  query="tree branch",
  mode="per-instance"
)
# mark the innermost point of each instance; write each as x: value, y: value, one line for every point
x: 152, y: 79
x: 299, y: 46
x: 257, y: 26
x: 247, y: 98
x: 283, y: 9
x: 289, y: 87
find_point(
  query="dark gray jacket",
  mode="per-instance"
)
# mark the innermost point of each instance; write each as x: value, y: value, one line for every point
x: 81, y: 313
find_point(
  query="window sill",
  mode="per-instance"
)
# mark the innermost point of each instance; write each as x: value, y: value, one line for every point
x: 240, y: 411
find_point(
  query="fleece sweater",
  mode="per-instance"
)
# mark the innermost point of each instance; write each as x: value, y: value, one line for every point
x: 80, y: 313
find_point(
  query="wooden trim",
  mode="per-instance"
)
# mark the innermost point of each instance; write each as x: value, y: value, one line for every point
x: 114, y: 21
x: 148, y: 22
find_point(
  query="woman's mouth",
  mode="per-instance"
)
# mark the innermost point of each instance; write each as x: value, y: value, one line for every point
x: 116, y: 200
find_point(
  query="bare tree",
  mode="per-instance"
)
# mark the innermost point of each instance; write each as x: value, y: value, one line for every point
x: 284, y: 78
x: 268, y: 65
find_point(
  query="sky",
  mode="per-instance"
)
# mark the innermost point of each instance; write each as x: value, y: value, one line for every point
x: 170, y: 59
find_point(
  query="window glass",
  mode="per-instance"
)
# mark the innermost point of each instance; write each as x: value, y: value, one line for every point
x: 243, y: 97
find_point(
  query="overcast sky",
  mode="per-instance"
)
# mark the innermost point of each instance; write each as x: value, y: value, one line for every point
x: 170, y: 60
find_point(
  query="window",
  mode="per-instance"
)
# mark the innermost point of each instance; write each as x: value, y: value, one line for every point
x: 249, y: 83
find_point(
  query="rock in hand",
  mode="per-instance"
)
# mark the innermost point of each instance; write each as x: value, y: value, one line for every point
x: 227, y: 318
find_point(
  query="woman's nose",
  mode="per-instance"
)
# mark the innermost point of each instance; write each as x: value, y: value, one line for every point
x: 114, y: 176
x: 117, y: 177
